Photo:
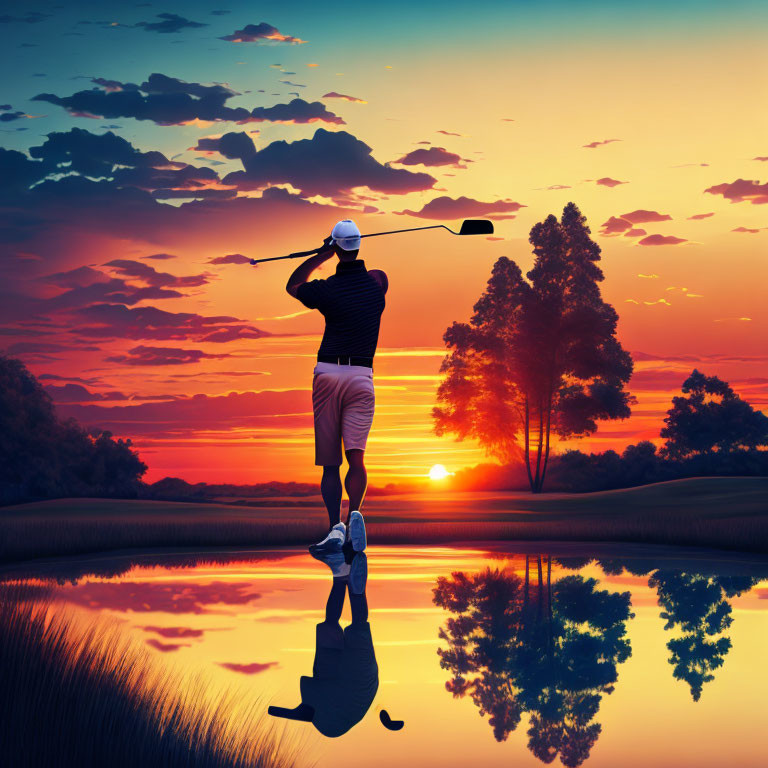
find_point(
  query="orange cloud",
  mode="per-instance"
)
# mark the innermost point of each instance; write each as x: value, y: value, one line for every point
x: 607, y: 181
x: 335, y: 95
x: 662, y: 240
x: 741, y: 190
x: 595, y: 144
x: 464, y: 207
x: 747, y: 229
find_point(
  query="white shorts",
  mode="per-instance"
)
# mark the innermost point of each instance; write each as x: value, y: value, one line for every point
x: 343, y: 403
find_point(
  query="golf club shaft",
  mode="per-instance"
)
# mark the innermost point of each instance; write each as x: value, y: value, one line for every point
x: 300, y: 254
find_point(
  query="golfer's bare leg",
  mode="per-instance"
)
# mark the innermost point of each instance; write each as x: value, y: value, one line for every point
x: 330, y: 488
x: 356, y: 480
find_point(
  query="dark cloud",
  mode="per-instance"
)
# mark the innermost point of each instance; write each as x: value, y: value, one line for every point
x: 76, y: 393
x: 149, y: 275
x: 111, y: 86
x: 434, y: 156
x: 161, y: 99
x: 93, y: 155
x: 233, y: 145
x: 296, y: 111
x: 231, y: 258
x: 81, y: 154
x: 160, y: 256
x: 741, y: 191
x: 170, y: 22
x: 9, y: 117
x: 444, y: 208
x: 330, y: 164
x: 118, y: 321
x: 248, y: 669
x: 30, y: 17
x: 188, y: 414
x: 169, y: 101
x: 142, y: 355
x: 260, y: 33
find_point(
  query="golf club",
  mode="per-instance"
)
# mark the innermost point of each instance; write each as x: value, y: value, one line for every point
x: 468, y: 227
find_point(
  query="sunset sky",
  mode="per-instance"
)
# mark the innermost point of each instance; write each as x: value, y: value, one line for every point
x: 150, y: 149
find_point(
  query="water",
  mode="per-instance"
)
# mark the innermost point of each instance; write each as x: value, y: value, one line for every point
x: 620, y: 656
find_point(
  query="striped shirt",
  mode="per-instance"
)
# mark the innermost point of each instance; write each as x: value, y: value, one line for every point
x: 351, y: 302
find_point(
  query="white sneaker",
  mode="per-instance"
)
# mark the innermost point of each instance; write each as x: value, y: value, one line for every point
x: 333, y: 542
x: 357, y: 531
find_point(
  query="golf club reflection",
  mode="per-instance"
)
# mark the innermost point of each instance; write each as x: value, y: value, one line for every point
x: 345, y: 674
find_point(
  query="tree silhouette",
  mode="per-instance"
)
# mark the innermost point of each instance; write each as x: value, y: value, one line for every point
x: 43, y: 457
x: 712, y: 418
x: 697, y: 606
x: 551, y: 650
x: 538, y: 356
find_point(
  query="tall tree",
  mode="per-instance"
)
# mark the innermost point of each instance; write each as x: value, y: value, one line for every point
x: 538, y: 356
x: 711, y: 418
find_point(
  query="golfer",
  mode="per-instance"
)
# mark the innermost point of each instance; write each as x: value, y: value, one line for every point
x: 352, y: 301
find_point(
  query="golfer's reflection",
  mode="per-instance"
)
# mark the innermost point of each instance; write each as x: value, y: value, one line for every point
x: 345, y: 675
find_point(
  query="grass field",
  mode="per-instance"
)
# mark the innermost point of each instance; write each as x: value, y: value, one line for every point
x: 87, y: 697
x: 718, y: 512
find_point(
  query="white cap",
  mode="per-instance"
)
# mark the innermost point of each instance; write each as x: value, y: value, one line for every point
x: 346, y: 235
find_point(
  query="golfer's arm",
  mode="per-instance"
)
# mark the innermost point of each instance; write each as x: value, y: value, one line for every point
x: 304, y: 270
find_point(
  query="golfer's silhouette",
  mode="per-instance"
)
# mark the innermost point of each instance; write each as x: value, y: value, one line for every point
x: 345, y: 675
x: 352, y: 301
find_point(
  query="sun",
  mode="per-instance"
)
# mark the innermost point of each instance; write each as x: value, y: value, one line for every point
x: 438, y: 472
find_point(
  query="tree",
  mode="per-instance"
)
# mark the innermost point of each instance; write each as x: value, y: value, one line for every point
x: 43, y: 457
x: 711, y: 419
x: 536, y: 357
x: 551, y: 650
x: 697, y: 605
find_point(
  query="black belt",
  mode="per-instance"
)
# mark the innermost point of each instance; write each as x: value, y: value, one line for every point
x: 346, y: 360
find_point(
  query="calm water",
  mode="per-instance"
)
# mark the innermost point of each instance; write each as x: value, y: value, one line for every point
x: 605, y: 656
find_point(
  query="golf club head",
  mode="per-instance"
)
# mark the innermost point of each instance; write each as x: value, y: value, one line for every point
x: 476, y: 227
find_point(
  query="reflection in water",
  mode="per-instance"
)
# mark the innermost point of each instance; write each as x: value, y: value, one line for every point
x: 536, y: 644
x: 550, y: 650
x: 345, y: 675
x: 698, y: 608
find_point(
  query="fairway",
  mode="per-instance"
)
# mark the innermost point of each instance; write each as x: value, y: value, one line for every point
x: 728, y: 513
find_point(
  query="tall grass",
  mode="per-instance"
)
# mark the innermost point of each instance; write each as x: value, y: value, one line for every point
x: 91, y: 699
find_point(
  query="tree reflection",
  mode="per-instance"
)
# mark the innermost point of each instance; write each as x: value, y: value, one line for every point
x: 697, y: 607
x: 550, y: 650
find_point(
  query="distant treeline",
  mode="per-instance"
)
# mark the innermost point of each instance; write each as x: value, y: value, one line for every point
x: 176, y: 489
x: 43, y: 457
x: 578, y: 472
